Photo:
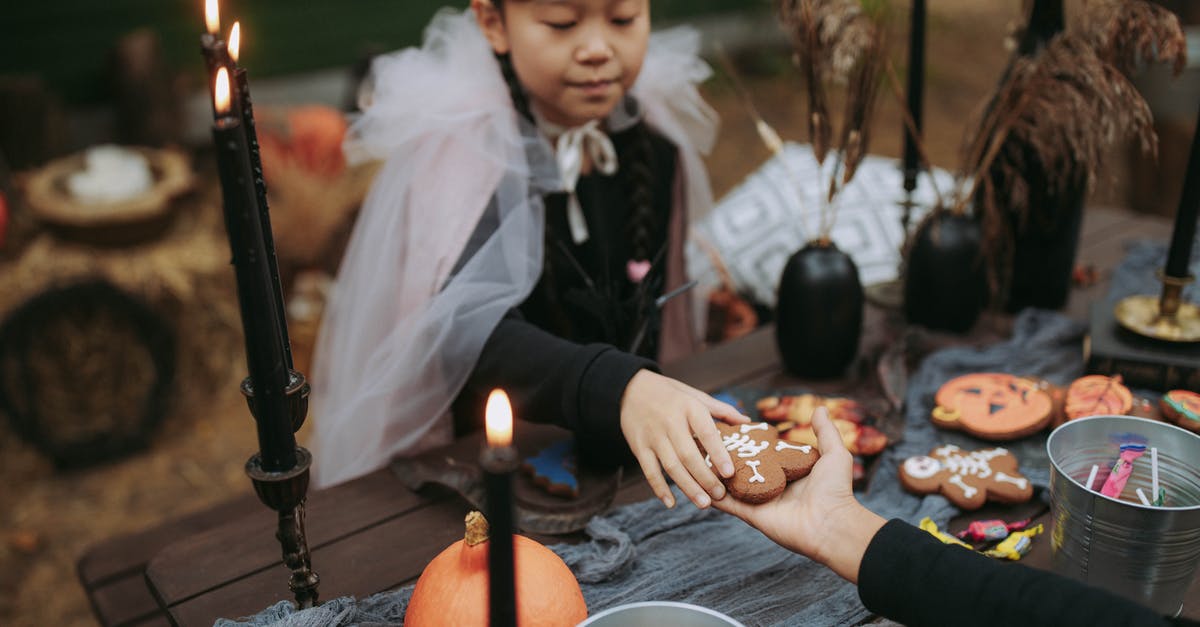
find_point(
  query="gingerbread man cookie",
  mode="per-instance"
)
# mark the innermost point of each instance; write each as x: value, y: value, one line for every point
x: 762, y: 463
x: 992, y: 406
x: 967, y: 479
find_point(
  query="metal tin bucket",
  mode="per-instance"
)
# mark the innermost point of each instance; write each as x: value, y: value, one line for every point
x: 659, y: 614
x: 1147, y: 554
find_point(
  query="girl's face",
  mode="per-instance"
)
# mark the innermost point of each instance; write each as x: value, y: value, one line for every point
x: 575, y: 58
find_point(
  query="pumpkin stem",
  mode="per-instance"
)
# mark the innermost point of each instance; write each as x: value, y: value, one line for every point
x: 477, y: 529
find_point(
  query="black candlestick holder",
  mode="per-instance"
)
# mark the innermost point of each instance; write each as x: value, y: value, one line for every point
x: 286, y: 491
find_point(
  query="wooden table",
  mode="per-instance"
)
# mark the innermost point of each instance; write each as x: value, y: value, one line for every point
x: 374, y: 534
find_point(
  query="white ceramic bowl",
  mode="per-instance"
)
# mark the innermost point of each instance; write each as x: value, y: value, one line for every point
x: 659, y: 614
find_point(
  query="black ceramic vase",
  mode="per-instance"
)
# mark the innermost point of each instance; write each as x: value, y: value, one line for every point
x: 1043, y: 247
x: 945, y: 283
x: 1041, y: 252
x: 819, y: 312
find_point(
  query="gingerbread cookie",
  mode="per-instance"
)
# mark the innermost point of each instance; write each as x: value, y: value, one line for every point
x: 992, y: 406
x: 967, y: 479
x: 792, y: 416
x: 1096, y: 395
x: 553, y: 469
x: 762, y: 463
x: 1182, y: 407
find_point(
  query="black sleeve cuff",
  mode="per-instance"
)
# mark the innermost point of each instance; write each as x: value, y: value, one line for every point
x: 594, y: 410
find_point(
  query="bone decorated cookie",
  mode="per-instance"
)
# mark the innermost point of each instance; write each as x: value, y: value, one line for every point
x: 992, y: 406
x: 762, y: 463
x: 968, y: 479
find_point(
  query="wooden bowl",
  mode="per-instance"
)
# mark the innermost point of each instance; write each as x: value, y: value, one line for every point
x: 117, y: 223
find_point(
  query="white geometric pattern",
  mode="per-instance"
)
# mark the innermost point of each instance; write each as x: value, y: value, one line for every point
x: 775, y: 211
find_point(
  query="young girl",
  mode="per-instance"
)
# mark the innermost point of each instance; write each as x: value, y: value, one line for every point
x: 541, y: 157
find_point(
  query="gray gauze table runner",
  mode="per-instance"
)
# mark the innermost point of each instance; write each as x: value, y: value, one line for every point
x: 644, y: 552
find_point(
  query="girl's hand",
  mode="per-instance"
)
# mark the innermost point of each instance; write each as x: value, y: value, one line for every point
x: 818, y: 515
x: 660, y: 417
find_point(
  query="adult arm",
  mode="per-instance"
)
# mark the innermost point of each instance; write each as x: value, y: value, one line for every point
x: 909, y: 576
x: 905, y: 574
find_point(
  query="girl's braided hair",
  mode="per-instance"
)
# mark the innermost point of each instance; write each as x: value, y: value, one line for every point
x: 636, y: 156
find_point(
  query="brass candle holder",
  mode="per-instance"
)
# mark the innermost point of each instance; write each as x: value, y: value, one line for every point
x: 1166, y: 317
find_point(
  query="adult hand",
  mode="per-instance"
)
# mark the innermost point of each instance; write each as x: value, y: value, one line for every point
x: 818, y: 515
x: 661, y: 419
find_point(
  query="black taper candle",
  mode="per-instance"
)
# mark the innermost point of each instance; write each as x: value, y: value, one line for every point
x: 916, y: 92
x: 499, y: 464
x: 1184, y: 235
x: 264, y: 343
x: 246, y: 107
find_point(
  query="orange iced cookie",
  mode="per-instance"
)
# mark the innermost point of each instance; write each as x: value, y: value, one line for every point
x: 1096, y: 395
x: 992, y: 406
x: 1182, y: 408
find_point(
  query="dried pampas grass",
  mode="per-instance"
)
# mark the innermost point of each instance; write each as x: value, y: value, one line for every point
x: 1054, y: 116
x: 837, y: 42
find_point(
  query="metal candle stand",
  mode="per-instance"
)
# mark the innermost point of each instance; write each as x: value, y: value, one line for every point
x: 285, y: 492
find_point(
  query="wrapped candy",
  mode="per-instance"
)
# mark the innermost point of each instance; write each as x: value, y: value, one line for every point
x: 1016, y: 545
x: 1115, y: 484
x: 987, y: 531
x: 928, y: 525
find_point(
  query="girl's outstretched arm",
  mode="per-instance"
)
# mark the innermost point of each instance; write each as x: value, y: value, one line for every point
x: 662, y: 419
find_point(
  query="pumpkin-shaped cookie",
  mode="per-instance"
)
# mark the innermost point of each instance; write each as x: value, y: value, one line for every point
x: 1096, y: 395
x: 1182, y: 408
x: 992, y: 406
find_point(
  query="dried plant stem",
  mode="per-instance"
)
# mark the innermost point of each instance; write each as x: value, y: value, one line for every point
x: 820, y: 129
x: 718, y: 262
x: 993, y: 150
x: 765, y: 132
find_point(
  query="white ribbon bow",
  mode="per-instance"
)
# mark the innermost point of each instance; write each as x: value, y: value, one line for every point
x: 569, y: 152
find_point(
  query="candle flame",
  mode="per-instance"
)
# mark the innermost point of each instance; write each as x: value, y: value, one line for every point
x: 212, y: 16
x: 221, y: 93
x: 235, y: 40
x: 498, y: 419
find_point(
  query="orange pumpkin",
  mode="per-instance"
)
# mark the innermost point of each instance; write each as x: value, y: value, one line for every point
x: 453, y: 589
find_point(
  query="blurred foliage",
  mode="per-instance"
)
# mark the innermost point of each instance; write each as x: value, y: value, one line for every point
x: 68, y: 42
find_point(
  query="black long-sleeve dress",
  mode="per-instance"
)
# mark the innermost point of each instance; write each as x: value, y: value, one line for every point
x: 563, y: 356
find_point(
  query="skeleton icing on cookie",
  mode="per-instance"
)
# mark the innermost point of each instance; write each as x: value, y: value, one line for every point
x: 951, y: 459
x: 756, y: 478
x: 743, y: 444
